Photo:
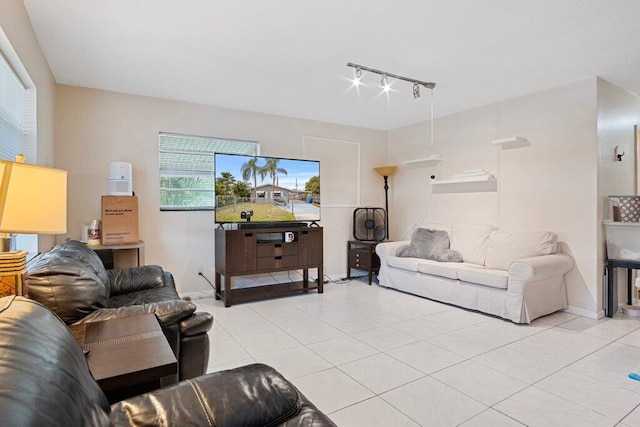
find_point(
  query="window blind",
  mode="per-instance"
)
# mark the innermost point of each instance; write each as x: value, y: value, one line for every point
x: 187, y: 175
x: 12, y: 99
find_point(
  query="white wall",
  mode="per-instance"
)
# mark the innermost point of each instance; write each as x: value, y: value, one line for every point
x: 15, y: 23
x: 551, y: 185
x: 94, y: 128
x: 618, y: 112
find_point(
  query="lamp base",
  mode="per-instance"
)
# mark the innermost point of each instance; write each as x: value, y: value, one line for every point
x: 13, y: 274
x: 7, y: 242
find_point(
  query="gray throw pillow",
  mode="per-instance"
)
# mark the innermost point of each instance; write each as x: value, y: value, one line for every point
x: 429, y: 244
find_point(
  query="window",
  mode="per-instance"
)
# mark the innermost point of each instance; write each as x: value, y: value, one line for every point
x: 187, y: 176
x: 17, y: 119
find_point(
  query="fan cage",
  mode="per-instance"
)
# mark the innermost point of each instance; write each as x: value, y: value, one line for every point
x: 369, y: 224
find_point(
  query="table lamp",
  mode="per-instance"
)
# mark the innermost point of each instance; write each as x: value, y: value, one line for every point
x: 386, y: 172
x: 33, y: 200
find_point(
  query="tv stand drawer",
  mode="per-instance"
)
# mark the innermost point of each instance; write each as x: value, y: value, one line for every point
x: 277, y: 262
x: 266, y: 250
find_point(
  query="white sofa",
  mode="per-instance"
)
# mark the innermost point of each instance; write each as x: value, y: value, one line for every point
x: 518, y: 276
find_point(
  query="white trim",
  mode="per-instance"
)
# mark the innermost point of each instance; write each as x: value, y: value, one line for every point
x: 584, y: 313
x: 13, y: 60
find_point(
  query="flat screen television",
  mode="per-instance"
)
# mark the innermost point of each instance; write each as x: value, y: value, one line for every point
x: 266, y: 189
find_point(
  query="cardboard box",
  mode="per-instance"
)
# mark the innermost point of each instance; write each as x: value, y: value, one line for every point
x: 119, y: 220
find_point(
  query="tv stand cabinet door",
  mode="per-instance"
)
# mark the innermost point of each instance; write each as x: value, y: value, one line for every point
x: 311, y: 243
x: 239, y: 248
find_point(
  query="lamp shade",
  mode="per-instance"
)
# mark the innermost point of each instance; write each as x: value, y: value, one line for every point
x: 385, y: 170
x: 33, y: 199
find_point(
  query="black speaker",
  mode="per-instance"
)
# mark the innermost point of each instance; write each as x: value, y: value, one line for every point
x: 369, y: 224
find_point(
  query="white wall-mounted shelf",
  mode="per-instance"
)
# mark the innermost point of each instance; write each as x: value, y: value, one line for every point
x: 425, y: 161
x: 466, y: 185
x: 511, y: 142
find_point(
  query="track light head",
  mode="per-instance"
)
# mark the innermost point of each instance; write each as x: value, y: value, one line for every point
x: 416, y: 90
x: 357, y: 77
x: 385, y: 83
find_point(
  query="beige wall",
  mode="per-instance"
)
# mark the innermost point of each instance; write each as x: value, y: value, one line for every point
x: 550, y: 185
x: 618, y: 112
x: 94, y: 128
x: 15, y: 23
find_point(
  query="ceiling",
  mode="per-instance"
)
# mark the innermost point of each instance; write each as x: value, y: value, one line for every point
x: 288, y: 57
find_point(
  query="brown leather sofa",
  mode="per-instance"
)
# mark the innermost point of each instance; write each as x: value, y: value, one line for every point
x: 71, y: 281
x: 45, y: 381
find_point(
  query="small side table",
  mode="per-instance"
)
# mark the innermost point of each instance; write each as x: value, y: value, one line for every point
x: 122, y: 255
x: 126, y: 355
x: 361, y: 255
x: 612, y: 283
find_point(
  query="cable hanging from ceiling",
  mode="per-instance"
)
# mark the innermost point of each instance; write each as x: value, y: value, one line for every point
x: 386, y: 86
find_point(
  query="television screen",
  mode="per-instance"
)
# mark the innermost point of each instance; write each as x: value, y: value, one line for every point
x: 266, y: 189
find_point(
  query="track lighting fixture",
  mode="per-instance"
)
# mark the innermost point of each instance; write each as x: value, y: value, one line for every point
x: 385, y: 79
x: 386, y: 86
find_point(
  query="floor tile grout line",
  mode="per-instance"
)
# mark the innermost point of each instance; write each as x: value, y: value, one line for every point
x: 299, y: 309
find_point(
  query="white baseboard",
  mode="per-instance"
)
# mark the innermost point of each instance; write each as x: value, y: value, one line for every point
x: 584, y: 313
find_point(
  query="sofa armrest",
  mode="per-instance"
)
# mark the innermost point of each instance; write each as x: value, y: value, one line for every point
x: 167, y: 312
x: 249, y: 396
x: 170, y: 312
x: 538, y: 268
x: 199, y: 323
x: 135, y: 279
x: 111, y: 313
x: 387, y: 249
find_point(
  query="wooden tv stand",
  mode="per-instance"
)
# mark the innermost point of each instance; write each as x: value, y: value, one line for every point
x: 264, y: 250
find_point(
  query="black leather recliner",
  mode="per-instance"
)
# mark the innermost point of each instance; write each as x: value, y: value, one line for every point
x: 71, y: 280
x: 45, y: 381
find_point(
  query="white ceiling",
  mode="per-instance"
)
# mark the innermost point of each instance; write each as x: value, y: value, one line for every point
x: 288, y: 57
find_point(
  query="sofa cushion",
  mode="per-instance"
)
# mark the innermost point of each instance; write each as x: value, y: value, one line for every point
x: 448, y: 270
x: 429, y: 244
x: 45, y: 380
x: 67, y: 287
x: 494, y: 278
x: 410, y: 264
x: 504, y: 247
x: 81, y: 252
x: 471, y: 241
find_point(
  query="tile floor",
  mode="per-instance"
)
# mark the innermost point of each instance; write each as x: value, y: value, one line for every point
x: 370, y: 356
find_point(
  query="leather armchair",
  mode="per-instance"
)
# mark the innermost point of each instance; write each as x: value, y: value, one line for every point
x: 46, y: 382
x: 71, y: 280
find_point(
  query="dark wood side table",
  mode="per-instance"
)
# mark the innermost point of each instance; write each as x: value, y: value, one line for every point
x: 612, y: 283
x: 127, y: 355
x: 361, y: 255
